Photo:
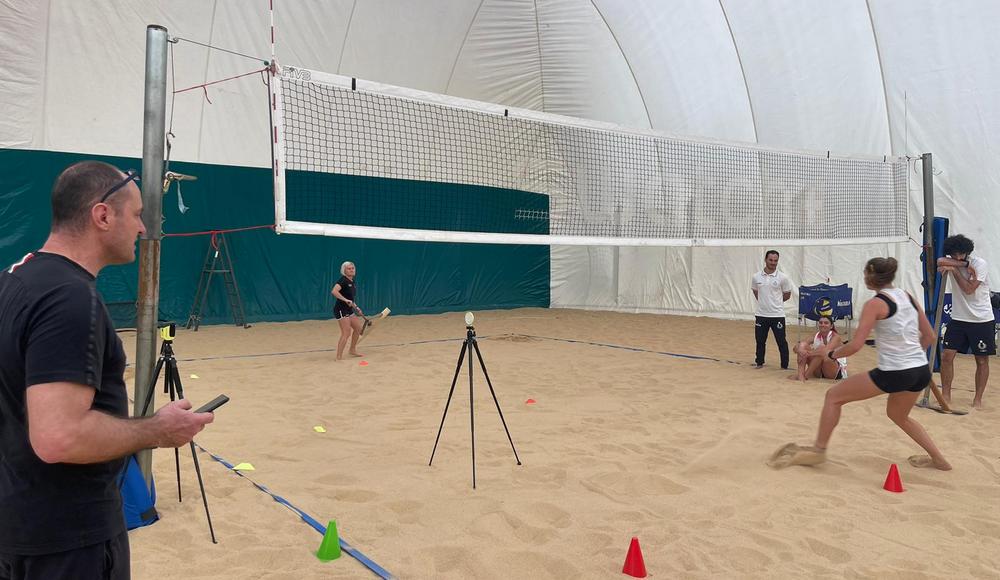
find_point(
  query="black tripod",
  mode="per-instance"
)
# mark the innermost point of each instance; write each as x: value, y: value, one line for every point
x: 172, y: 385
x: 469, y: 344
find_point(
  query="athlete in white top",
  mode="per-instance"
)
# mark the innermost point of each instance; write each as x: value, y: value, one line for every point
x: 814, y: 365
x: 903, y: 335
x: 972, y: 328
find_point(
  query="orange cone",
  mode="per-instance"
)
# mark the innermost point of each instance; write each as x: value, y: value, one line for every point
x: 892, y: 481
x: 634, y: 566
x: 529, y: 402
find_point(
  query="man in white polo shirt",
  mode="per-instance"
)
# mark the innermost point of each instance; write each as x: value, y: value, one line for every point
x: 972, y: 327
x: 771, y: 288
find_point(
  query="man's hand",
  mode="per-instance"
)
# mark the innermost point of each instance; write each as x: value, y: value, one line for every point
x: 178, y: 425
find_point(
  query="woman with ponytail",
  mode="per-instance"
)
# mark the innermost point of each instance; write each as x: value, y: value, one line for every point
x: 903, y: 335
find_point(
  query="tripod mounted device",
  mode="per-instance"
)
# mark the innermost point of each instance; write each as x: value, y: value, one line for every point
x: 468, y: 346
x: 172, y: 386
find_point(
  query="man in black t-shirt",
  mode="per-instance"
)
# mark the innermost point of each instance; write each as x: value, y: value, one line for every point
x: 64, y: 426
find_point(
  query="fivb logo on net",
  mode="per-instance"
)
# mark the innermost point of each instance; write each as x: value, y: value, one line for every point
x: 291, y: 72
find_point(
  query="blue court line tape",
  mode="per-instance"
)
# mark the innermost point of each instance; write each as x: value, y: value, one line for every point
x: 354, y: 552
x: 633, y: 349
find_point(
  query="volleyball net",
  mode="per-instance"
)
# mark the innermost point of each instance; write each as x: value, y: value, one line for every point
x: 366, y: 160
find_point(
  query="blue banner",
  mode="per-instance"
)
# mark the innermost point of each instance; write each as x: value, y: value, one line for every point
x: 826, y: 300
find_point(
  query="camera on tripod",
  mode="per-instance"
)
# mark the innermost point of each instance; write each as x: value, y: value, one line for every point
x: 168, y: 332
x: 470, y: 345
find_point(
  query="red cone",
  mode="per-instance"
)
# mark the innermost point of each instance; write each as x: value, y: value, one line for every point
x: 892, y: 481
x: 634, y: 566
x: 529, y: 402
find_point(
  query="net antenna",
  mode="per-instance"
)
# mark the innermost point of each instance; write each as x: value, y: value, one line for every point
x: 366, y: 160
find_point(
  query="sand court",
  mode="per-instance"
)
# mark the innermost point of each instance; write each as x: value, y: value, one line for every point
x: 620, y: 442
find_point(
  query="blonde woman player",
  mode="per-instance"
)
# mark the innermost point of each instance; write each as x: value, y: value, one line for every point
x: 345, y: 310
x: 814, y: 365
x: 903, y: 335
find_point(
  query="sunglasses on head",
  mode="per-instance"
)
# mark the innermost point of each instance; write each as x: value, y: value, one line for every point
x: 130, y: 175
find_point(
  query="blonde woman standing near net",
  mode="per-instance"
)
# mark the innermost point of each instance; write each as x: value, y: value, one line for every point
x: 903, y: 336
x: 345, y: 310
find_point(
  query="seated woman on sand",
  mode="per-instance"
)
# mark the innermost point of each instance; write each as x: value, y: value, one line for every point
x: 812, y: 364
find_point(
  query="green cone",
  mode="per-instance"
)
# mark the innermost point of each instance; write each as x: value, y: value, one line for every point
x: 330, y: 548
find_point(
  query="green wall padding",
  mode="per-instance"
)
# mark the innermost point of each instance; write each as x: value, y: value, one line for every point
x: 405, y: 203
x: 284, y: 277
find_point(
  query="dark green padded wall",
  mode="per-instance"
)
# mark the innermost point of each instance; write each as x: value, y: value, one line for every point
x: 284, y: 277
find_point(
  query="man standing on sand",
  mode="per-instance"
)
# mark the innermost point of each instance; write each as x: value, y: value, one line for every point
x: 64, y: 425
x: 972, y: 327
x: 772, y: 289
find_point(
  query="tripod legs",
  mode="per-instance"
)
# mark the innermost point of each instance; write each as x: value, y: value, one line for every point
x: 172, y: 386
x: 470, y: 344
x: 451, y: 392
x: 472, y: 420
x: 173, y: 378
x: 495, y: 401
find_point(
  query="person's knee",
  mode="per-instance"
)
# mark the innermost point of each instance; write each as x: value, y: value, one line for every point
x: 948, y: 356
x: 833, y: 398
x: 898, y: 416
x: 983, y: 361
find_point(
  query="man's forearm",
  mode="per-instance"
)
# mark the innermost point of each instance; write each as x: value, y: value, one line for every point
x: 946, y: 261
x: 99, y: 437
x: 967, y: 286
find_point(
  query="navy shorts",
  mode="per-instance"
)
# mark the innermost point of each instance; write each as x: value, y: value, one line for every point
x: 913, y: 380
x: 978, y: 338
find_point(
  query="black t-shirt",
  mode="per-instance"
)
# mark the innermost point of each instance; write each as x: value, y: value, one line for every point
x: 54, y: 327
x: 346, y: 290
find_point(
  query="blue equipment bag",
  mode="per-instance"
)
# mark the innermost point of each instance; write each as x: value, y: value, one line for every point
x: 138, y: 502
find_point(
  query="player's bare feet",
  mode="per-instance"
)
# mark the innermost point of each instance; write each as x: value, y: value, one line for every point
x: 977, y: 404
x: 796, y: 377
x: 927, y: 461
x: 357, y: 354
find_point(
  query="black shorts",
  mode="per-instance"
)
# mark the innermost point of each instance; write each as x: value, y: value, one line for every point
x: 978, y: 338
x: 103, y: 561
x: 342, y: 310
x: 913, y: 380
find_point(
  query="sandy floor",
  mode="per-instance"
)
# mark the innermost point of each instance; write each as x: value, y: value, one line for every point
x: 620, y: 443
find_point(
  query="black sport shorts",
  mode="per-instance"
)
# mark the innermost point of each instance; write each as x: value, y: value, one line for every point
x: 913, y: 380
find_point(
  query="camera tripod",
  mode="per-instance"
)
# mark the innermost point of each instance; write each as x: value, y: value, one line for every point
x: 467, y: 346
x: 172, y: 386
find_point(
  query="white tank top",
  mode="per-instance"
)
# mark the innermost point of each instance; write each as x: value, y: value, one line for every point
x: 819, y: 340
x: 897, y: 338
